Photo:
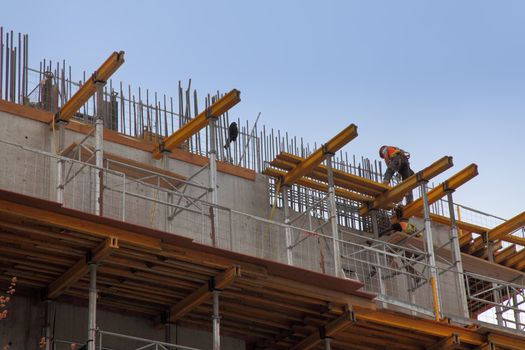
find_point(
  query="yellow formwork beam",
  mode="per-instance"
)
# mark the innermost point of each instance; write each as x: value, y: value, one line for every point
x: 395, y: 194
x: 219, y: 107
x: 330, y: 330
x: 499, y: 232
x: 77, y: 271
x: 200, y: 295
x: 440, y: 191
x: 307, y: 165
x: 348, y: 181
x: 320, y: 186
x: 101, y: 75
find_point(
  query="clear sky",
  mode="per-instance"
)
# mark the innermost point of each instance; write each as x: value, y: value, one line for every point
x: 434, y: 77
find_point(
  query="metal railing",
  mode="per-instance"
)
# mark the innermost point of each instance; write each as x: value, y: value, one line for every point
x: 399, y: 275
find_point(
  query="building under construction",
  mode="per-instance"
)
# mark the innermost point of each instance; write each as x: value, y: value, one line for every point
x: 126, y: 224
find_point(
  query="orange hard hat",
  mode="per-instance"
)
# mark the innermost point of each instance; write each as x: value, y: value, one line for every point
x: 382, y: 150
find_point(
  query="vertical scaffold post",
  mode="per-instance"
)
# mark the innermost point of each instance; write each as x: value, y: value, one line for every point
x: 379, y: 260
x: 288, y: 229
x: 332, y: 209
x: 517, y: 315
x: 495, y: 293
x: 48, y: 335
x: 429, y: 244
x: 213, y: 177
x: 456, y: 256
x: 99, y: 152
x: 327, y: 343
x: 92, y: 308
x: 216, y: 321
x: 60, y: 162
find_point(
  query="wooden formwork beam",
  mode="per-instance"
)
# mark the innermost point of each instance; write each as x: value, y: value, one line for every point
x: 84, y: 93
x: 219, y: 107
x: 307, y: 165
x: 395, y: 194
x: 77, y: 271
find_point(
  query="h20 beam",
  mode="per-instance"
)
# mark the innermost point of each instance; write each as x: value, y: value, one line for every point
x: 440, y: 191
x: 309, y: 164
x: 219, y: 107
x: 499, y: 232
x: 395, y: 194
x: 101, y: 75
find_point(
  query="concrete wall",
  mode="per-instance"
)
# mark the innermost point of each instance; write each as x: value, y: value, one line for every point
x: 24, y: 328
x: 234, y: 231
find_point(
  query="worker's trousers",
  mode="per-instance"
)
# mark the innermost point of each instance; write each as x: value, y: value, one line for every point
x: 399, y: 163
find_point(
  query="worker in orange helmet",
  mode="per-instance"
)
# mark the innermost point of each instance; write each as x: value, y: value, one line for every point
x: 397, y: 162
x: 405, y: 227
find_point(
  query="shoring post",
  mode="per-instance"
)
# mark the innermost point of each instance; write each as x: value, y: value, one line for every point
x: 333, y: 216
x: 99, y: 151
x: 375, y: 231
x: 456, y: 256
x: 495, y: 294
x: 92, y: 307
x: 327, y: 343
x: 48, y: 334
x: 216, y: 321
x: 213, y: 175
x: 288, y: 229
x: 429, y: 244
x: 60, y: 162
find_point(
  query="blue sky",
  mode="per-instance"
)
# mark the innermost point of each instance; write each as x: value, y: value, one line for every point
x: 434, y: 77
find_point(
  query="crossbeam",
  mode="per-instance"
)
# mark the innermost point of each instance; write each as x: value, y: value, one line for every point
x: 75, y: 273
x: 499, y: 232
x: 506, y: 341
x: 440, y: 191
x: 84, y: 93
x: 395, y: 194
x: 319, y: 186
x: 330, y: 330
x: 343, y: 179
x: 308, y: 164
x: 199, y: 296
x: 219, y: 107
x: 451, y: 342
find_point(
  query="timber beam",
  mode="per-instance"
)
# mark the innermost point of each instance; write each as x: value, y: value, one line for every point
x: 395, y: 194
x: 219, y: 107
x: 330, y: 330
x: 77, y: 271
x: 320, y: 186
x: 343, y: 179
x: 506, y: 341
x: 451, y: 342
x: 440, y: 191
x: 199, y: 296
x: 499, y: 232
x: 84, y: 93
x: 307, y: 165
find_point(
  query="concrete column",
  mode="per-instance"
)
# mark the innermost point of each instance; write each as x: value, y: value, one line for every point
x: 216, y: 321
x: 288, y: 230
x: 92, y: 307
x: 456, y: 257
x: 332, y: 209
x: 429, y: 244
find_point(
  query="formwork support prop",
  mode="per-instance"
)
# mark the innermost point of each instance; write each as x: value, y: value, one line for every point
x: 332, y: 209
x: 456, y: 255
x: 375, y: 231
x: 327, y: 343
x: 495, y: 294
x: 213, y: 177
x: 216, y: 321
x: 288, y: 229
x: 99, y: 148
x: 429, y: 244
x: 48, y: 335
x: 92, y: 307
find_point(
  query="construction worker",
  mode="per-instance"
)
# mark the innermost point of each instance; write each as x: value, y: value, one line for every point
x: 397, y: 162
x: 405, y: 227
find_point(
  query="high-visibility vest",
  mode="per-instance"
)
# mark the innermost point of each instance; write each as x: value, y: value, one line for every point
x: 407, y: 227
x: 390, y: 151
